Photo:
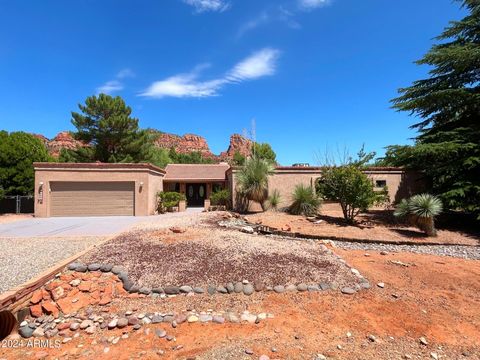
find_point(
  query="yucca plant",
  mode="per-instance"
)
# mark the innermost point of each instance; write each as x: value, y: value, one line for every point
x: 305, y: 201
x: 274, y: 200
x: 421, y: 211
x: 252, y: 179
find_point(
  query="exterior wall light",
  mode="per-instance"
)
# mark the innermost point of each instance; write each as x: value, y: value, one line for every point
x: 40, y: 192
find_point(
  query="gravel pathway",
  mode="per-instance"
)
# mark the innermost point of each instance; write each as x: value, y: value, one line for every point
x: 463, y: 252
x: 24, y: 258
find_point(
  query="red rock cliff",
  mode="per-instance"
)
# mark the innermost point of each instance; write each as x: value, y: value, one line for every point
x: 182, y: 144
x: 238, y: 143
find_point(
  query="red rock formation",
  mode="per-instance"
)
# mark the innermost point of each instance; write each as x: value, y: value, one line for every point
x: 184, y: 144
x: 238, y: 143
x: 42, y: 138
x: 63, y: 140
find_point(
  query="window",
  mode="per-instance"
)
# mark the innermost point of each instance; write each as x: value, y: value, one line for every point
x: 380, y: 183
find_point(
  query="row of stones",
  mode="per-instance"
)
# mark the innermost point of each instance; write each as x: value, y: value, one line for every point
x: 48, y: 326
x: 244, y: 286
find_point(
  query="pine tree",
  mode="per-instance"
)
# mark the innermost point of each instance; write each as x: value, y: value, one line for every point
x: 105, y: 123
x: 448, y: 105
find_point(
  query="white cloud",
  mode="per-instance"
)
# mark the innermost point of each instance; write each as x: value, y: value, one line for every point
x: 261, y: 63
x: 110, y: 87
x: 115, y: 85
x: 312, y: 4
x: 208, y: 5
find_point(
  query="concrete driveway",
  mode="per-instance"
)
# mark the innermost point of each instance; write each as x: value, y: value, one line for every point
x: 69, y: 226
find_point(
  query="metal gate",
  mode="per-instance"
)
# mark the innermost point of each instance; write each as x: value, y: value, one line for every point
x: 17, y: 204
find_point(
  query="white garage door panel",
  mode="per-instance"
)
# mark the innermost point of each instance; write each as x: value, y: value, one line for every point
x: 92, y: 198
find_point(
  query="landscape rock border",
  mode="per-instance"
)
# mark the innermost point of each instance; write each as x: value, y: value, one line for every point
x: 244, y: 287
x: 69, y: 324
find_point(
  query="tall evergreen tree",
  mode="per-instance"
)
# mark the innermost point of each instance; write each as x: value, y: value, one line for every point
x: 448, y: 105
x: 105, y: 123
x: 18, y: 152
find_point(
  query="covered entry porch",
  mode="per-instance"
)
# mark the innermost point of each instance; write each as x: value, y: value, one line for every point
x: 196, y: 181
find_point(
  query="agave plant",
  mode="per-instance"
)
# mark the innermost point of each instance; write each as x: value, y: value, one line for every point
x: 305, y: 201
x: 421, y: 210
x: 253, y: 179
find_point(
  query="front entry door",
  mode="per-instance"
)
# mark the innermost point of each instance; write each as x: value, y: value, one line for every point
x: 196, y: 194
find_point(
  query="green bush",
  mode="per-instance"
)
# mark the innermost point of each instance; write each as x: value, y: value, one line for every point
x: 305, y: 201
x: 420, y: 210
x: 349, y: 186
x: 274, y: 200
x: 253, y: 180
x: 168, y: 200
x: 220, y: 197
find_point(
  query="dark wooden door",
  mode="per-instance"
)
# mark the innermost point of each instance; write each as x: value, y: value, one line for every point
x: 196, y: 194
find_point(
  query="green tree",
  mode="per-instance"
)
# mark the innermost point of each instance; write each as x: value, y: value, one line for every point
x: 159, y: 156
x: 264, y: 151
x: 105, y: 123
x: 194, y: 157
x: 18, y: 152
x: 238, y: 158
x: 350, y: 187
x: 448, y: 106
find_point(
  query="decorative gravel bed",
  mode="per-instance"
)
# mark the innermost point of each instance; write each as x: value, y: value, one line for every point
x: 23, y: 258
x: 212, y: 257
x: 463, y: 252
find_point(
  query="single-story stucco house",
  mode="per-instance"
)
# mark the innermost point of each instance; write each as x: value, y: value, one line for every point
x: 101, y: 189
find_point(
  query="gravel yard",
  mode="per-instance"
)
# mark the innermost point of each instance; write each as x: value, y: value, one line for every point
x: 205, y: 255
x: 23, y: 258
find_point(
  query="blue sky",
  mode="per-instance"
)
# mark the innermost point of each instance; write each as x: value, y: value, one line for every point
x: 314, y: 74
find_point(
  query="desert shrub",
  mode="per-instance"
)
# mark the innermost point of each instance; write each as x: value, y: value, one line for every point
x: 305, y: 201
x: 274, y: 200
x: 349, y: 186
x: 167, y: 200
x: 220, y: 197
x: 253, y: 180
x: 420, y: 210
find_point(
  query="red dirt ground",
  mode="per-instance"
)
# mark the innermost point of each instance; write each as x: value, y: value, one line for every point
x: 438, y: 298
x: 377, y: 224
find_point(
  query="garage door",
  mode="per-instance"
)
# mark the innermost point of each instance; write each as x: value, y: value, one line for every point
x: 92, y: 198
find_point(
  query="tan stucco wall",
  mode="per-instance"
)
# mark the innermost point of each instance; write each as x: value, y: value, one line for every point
x: 155, y: 185
x: 400, y: 183
x: 144, y: 195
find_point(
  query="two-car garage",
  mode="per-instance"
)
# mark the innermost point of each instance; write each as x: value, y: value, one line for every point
x: 96, y: 189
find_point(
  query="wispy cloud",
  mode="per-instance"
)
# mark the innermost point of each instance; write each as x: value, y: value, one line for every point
x: 125, y: 73
x: 110, y: 87
x: 312, y: 4
x: 259, y: 64
x: 208, y: 5
x: 116, y: 84
x: 263, y: 18
x: 281, y: 14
